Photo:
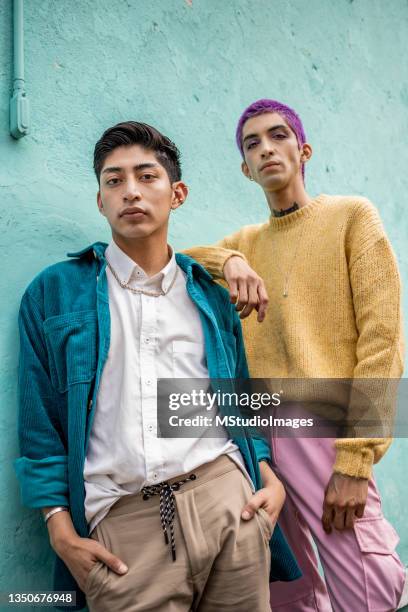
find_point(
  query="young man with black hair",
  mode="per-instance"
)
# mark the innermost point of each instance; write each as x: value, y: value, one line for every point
x: 332, y: 277
x: 139, y: 522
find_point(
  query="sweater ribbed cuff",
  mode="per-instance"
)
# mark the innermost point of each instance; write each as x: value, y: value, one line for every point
x: 353, y: 460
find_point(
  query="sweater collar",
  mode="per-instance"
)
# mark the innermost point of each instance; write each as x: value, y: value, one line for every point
x: 280, y: 223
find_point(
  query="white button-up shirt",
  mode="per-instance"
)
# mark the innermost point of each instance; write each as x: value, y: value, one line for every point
x: 151, y: 338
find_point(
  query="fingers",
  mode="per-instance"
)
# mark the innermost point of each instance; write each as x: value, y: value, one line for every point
x: 113, y: 562
x: 252, y: 294
x: 252, y: 506
x: 350, y: 518
x: 262, y: 301
x: 242, y: 295
x: 251, y: 302
x: 327, y: 517
x: 344, y: 501
x: 246, y: 288
x: 233, y: 290
x: 339, y: 518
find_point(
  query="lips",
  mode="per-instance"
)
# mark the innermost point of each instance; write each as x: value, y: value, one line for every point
x: 270, y: 165
x: 130, y: 212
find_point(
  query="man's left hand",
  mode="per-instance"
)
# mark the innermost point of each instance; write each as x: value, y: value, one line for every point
x: 344, y: 501
x: 247, y: 289
x: 271, y: 498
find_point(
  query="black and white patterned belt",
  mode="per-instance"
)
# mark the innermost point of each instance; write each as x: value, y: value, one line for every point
x: 167, y: 506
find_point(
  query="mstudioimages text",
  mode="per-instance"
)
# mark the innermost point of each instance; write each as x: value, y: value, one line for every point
x: 210, y: 400
x: 238, y: 421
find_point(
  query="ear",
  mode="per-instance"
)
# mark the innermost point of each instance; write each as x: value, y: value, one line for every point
x: 306, y: 153
x: 100, y: 204
x: 180, y: 193
x: 245, y: 170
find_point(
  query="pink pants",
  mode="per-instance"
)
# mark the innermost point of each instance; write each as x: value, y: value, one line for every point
x: 361, y: 568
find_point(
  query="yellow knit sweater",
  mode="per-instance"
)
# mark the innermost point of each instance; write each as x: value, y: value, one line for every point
x: 341, y: 318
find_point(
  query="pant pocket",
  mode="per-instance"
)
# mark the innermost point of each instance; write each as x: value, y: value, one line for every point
x: 265, y: 522
x: 375, y: 535
x: 91, y: 575
x: 383, y: 570
x: 98, y: 573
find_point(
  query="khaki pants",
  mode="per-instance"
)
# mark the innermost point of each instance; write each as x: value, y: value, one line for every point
x: 222, y: 561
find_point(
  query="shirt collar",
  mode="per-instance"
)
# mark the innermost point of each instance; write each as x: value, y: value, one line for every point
x: 132, y: 274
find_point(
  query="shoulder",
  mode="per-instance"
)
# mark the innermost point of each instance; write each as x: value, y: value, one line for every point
x: 351, y: 206
x: 357, y: 218
x: 243, y: 238
x: 57, y: 285
x: 60, y: 272
x: 250, y: 232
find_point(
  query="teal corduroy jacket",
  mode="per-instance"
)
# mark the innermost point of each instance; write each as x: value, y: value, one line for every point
x: 64, y: 324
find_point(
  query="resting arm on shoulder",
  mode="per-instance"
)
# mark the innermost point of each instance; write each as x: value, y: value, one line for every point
x: 225, y: 261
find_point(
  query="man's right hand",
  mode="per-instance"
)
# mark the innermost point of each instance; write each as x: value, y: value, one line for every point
x: 81, y: 554
x: 247, y: 289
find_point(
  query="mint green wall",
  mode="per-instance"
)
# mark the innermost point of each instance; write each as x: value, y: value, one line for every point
x: 189, y: 68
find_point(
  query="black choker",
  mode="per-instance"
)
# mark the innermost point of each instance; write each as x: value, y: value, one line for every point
x: 285, y: 211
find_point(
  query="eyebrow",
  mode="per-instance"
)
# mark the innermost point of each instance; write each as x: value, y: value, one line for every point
x: 137, y: 167
x: 272, y: 129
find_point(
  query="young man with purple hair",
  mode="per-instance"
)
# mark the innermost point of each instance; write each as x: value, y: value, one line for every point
x: 332, y: 277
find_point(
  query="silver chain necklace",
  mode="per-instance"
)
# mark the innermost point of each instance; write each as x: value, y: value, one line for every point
x: 286, y: 275
x: 138, y: 291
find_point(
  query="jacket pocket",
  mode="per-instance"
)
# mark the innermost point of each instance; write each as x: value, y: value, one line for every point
x: 71, y: 341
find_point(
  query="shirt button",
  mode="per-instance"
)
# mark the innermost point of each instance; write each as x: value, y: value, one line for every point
x: 155, y: 476
x: 148, y: 381
x: 147, y: 340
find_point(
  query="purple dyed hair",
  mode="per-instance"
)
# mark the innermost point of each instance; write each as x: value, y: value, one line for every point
x: 272, y: 106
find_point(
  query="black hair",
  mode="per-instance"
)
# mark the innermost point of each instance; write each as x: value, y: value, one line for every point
x: 135, y: 133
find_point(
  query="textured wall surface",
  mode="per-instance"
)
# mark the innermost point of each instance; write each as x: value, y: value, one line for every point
x: 188, y: 67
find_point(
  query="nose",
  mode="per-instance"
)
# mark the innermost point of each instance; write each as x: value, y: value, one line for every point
x: 267, y: 148
x: 132, y: 191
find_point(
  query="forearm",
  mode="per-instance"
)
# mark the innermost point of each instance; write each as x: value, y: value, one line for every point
x: 267, y: 474
x: 60, y: 529
x: 212, y: 258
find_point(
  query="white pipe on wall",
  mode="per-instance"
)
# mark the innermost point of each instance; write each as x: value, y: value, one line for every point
x: 19, y: 103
